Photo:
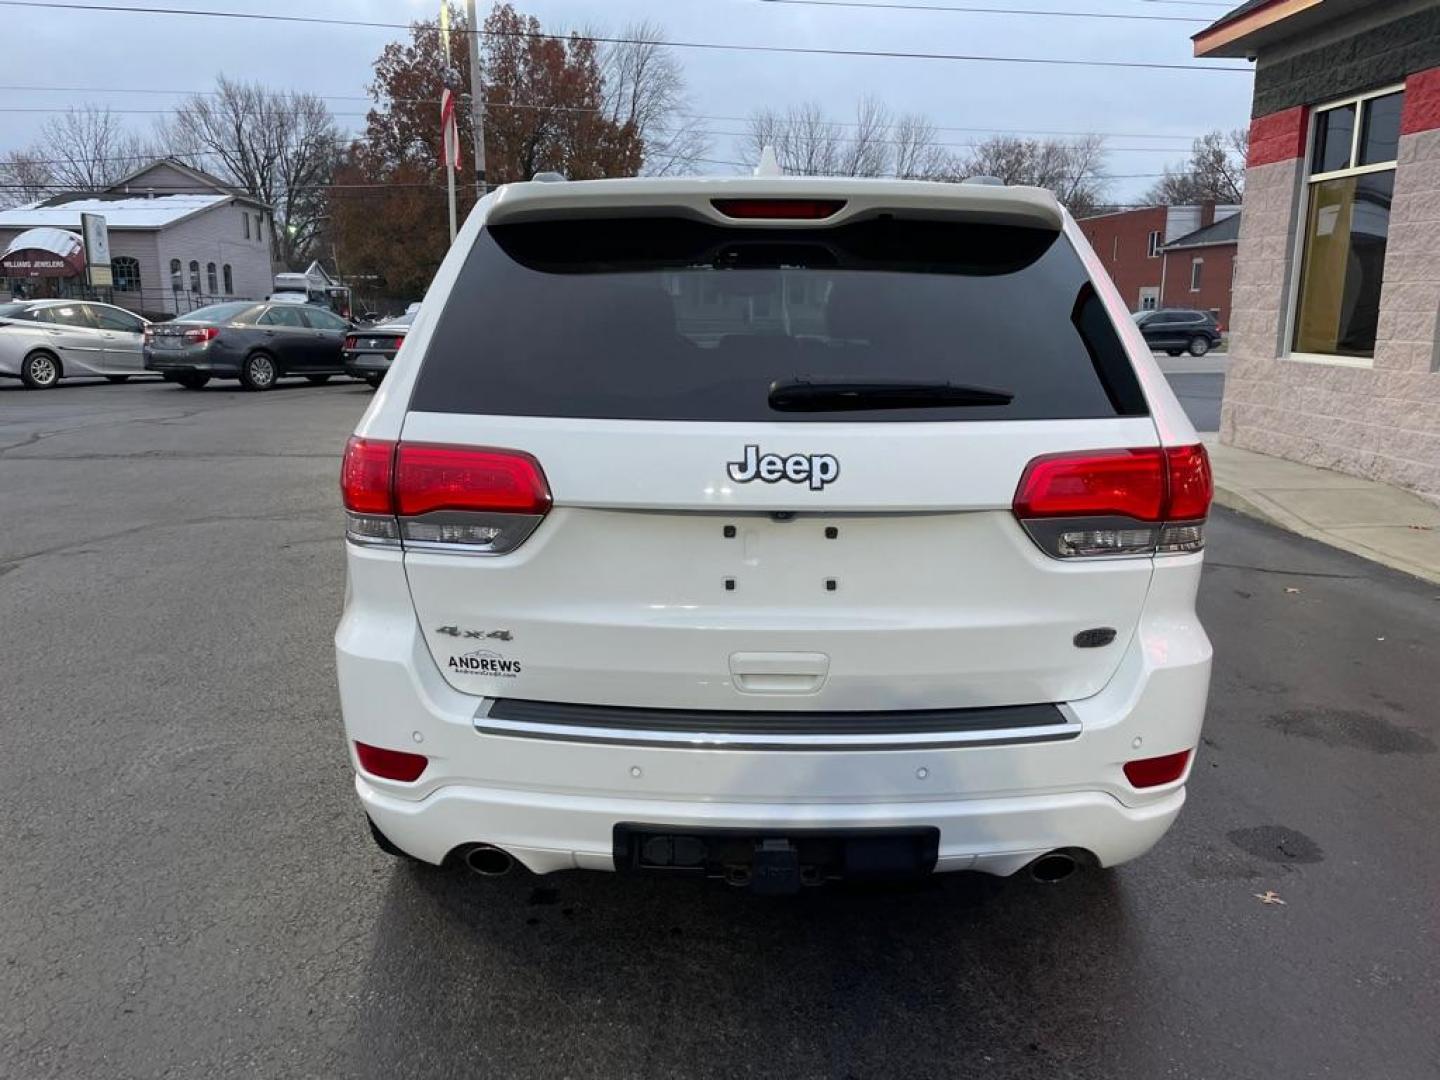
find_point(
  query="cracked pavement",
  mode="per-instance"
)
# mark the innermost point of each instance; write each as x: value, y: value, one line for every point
x: 187, y: 888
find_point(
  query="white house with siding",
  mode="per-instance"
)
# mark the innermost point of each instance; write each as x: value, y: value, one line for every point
x: 179, y: 238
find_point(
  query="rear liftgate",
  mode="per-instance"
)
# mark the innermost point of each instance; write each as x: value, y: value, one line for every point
x: 778, y: 863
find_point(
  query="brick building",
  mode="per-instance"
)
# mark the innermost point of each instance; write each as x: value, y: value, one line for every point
x: 1334, y: 357
x: 1136, y: 247
x: 1198, y: 269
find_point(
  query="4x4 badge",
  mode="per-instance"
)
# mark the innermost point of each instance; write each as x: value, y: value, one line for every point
x: 816, y: 469
x: 455, y: 631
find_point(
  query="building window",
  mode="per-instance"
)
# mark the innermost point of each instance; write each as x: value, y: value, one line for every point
x: 210, y: 278
x: 194, y: 276
x: 1347, y: 224
x: 126, y: 273
x: 259, y: 235
x: 1197, y: 267
x: 176, y: 281
x: 1152, y: 248
x: 229, y: 282
x: 245, y: 224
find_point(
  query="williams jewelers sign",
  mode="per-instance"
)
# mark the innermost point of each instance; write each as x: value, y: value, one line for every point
x: 43, y: 253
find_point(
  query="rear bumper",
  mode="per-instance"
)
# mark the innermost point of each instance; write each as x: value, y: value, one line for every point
x: 361, y: 365
x: 190, y: 361
x: 550, y: 832
x: 554, y: 803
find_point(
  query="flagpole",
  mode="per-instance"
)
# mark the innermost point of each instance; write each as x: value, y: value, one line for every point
x: 450, y: 178
x: 451, y: 147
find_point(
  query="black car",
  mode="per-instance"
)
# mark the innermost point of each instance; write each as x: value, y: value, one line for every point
x: 1177, y: 330
x: 256, y: 343
x: 370, y: 349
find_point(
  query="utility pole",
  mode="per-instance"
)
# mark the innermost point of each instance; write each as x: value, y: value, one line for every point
x: 477, y: 96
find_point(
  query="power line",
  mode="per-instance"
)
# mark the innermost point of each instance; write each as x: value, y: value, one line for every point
x: 712, y: 46
x: 346, y: 141
x: 128, y: 112
x: 196, y: 189
x: 956, y: 9
x: 523, y: 105
x: 162, y: 190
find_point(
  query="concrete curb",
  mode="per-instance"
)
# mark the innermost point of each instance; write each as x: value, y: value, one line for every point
x: 1262, y: 509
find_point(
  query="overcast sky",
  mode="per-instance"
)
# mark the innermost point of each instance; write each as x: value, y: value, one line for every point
x: 170, y: 52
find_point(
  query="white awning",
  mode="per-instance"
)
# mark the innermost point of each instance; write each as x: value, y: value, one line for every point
x: 60, y: 242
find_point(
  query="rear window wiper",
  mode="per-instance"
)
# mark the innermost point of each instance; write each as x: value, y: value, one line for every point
x: 847, y: 394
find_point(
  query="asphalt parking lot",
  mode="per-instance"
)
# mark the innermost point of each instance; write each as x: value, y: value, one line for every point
x: 188, y: 891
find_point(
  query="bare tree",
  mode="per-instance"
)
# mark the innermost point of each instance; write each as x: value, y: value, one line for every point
x: 1081, y: 184
x: 644, y: 88
x: 1215, y: 171
x: 917, y: 154
x: 84, y: 149
x: 1073, y: 170
x: 877, y: 143
x: 804, y: 141
x: 278, y: 147
x: 866, y: 149
x: 25, y: 176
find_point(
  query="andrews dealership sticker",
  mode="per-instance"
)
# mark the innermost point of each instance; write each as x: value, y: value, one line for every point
x: 484, y: 662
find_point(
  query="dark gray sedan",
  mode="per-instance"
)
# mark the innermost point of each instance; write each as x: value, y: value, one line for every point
x: 256, y: 343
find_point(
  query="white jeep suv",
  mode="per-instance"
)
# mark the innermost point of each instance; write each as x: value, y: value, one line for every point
x: 775, y: 530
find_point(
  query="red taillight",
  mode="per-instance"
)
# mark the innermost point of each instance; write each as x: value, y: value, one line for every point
x: 441, y: 498
x: 148, y: 335
x: 352, y: 342
x: 1150, y: 500
x: 779, y: 209
x: 198, y: 335
x: 1154, y: 771
x: 1191, y: 485
x: 1125, y: 483
x: 390, y: 764
x: 365, y: 476
x: 429, y: 478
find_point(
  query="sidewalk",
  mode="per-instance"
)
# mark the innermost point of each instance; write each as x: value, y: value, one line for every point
x: 1369, y: 519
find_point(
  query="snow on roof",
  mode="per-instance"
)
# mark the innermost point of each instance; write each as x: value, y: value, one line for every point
x: 137, y: 212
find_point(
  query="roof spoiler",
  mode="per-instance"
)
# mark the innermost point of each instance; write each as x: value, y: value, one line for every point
x: 703, y: 199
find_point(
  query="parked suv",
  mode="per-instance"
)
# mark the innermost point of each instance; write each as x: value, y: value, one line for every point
x: 1177, y: 330
x: 777, y: 531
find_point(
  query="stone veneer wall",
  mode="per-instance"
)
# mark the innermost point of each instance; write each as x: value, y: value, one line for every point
x: 1380, y: 422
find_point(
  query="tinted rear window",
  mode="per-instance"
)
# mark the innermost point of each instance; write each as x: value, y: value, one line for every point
x: 670, y: 319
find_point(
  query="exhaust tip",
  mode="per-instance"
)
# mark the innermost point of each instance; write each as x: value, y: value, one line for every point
x: 1053, y: 868
x: 489, y: 861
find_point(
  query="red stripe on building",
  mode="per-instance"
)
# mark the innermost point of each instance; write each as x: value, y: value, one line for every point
x: 1277, y: 137
x: 1422, y: 102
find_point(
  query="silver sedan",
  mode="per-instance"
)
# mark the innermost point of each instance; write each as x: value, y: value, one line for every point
x: 44, y: 341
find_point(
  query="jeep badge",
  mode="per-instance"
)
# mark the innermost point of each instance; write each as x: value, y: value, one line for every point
x: 816, y: 469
